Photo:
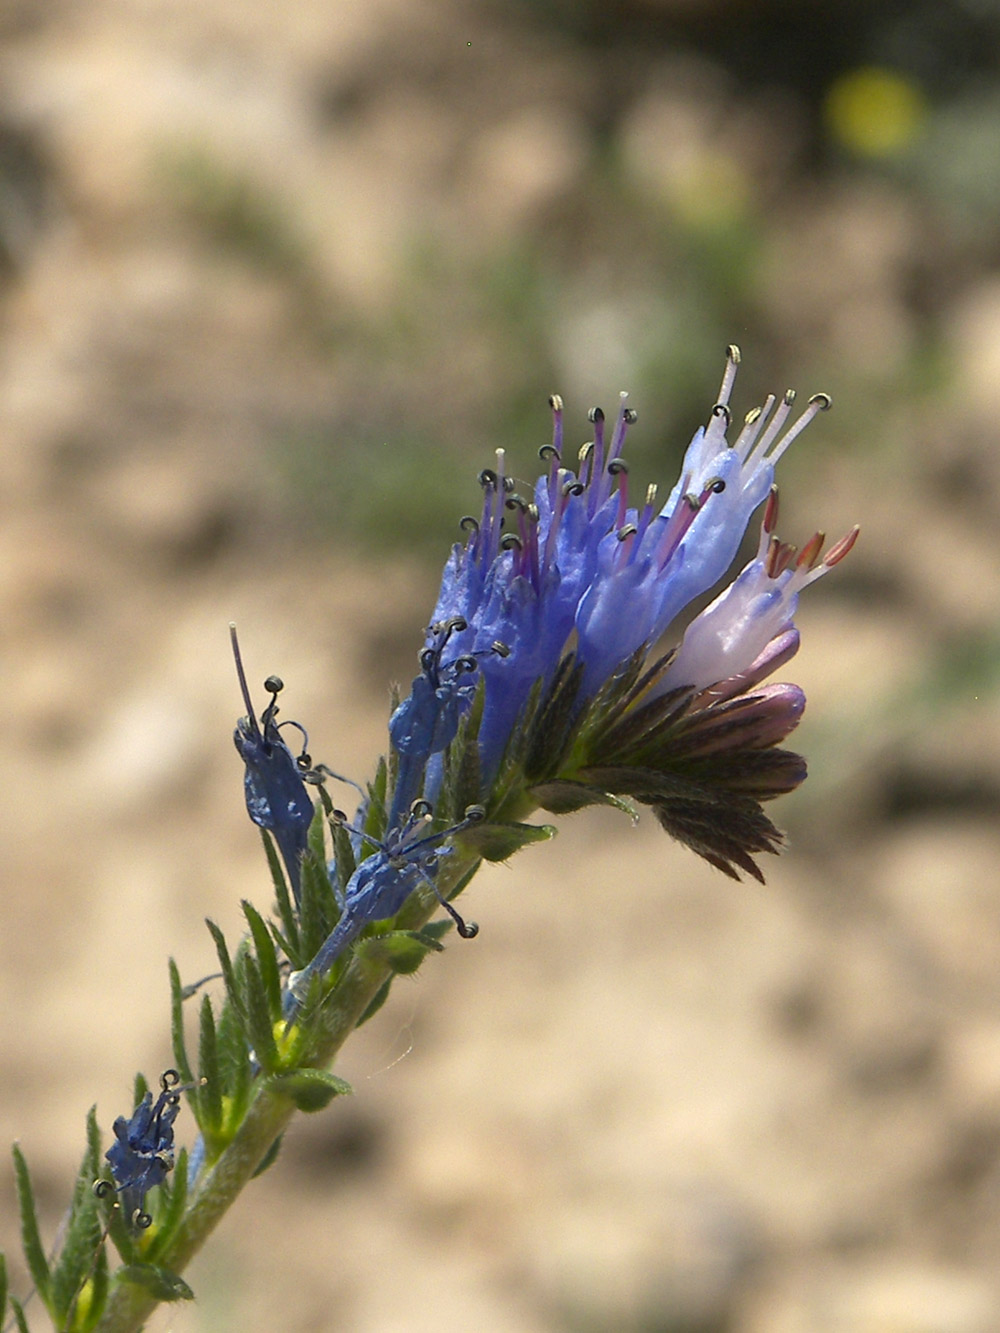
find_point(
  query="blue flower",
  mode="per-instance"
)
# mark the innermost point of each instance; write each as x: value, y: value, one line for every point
x: 579, y: 562
x: 276, y: 794
x: 381, y: 884
x: 143, y: 1152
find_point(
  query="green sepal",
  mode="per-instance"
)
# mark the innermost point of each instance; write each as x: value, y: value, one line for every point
x: 158, y: 1281
x: 121, y: 1237
x: 497, y: 842
x: 376, y: 813
x: 226, y: 964
x: 177, y: 1025
x: 400, y: 950
x: 555, y: 722
x: 310, y: 1089
x: 260, y: 1026
x: 209, y: 1108
x: 269, y: 1158
x: 267, y: 959
x: 31, y: 1239
x: 78, y: 1255
x: 343, y: 854
x: 289, y: 918
x: 19, y: 1319
x: 563, y: 797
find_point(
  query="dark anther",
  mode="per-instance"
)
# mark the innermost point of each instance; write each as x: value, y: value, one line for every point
x: 421, y: 809
x: 466, y: 663
x: 500, y: 648
x: 141, y: 1221
x: 455, y: 625
x: 467, y: 929
x: 102, y: 1188
x: 304, y: 763
x: 789, y: 397
x: 508, y: 484
x: 548, y: 451
x: 510, y: 541
x: 733, y: 353
x: 516, y: 502
x: 617, y: 466
x: 475, y: 813
x: 630, y: 416
x: 427, y: 658
x: 338, y: 816
x: 573, y: 488
x: 169, y: 1079
x: 824, y: 400
x: 487, y: 477
x: 468, y: 523
x: 274, y: 684
x: 585, y: 451
x: 629, y: 530
x: 555, y: 402
x: 716, y: 486
x: 595, y: 414
x: 532, y: 512
x: 721, y: 410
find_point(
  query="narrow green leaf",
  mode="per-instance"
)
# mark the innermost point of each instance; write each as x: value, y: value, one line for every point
x: 310, y: 1089
x: 173, y: 1200
x: 343, y: 855
x: 177, y: 1025
x: 286, y: 910
x: 260, y: 1025
x: 83, y: 1237
x: 320, y: 911
x: 316, y: 836
x: 269, y: 1158
x: 401, y: 950
x: 159, y: 1282
x: 234, y: 1058
x: 226, y: 963
x: 210, y: 1076
x: 31, y: 1238
x: 267, y: 959
x: 22, y: 1323
x: 3, y: 1289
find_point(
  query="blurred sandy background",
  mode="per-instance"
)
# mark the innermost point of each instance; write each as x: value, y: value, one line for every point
x: 274, y: 280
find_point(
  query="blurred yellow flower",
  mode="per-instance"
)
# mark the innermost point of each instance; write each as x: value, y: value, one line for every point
x: 874, y: 112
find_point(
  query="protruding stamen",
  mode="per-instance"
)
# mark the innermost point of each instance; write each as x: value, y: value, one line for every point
x: 770, y: 520
x: 810, y: 553
x: 839, y: 549
x: 819, y: 402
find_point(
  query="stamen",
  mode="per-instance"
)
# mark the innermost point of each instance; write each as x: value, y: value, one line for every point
x: 811, y: 551
x: 819, y: 402
x: 753, y: 424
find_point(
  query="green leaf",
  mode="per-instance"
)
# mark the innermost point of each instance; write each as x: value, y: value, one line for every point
x: 3, y: 1289
x: 497, y: 842
x: 267, y: 959
x: 316, y: 836
x: 343, y: 854
x: 158, y: 1281
x: 289, y: 917
x: 310, y: 1089
x: 226, y: 963
x: 177, y: 1025
x: 269, y: 1158
x: 562, y: 797
x: 210, y: 1077
x: 173, y: 1200
x: 260, y: 1027
x: 320, y: 910
x: 31, y: 1238
x: 234, y: 1058
x: 19, y: 1319
x: 78, y: 1255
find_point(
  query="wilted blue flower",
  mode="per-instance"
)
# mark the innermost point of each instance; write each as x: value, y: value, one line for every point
x: 276, y: 795
x: 143, y: 1151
